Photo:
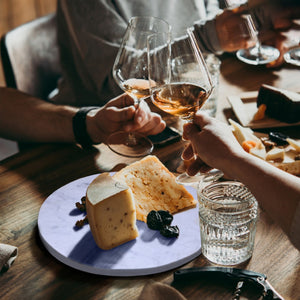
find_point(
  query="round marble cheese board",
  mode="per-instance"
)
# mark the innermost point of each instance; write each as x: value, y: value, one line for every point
x: 149, y: 253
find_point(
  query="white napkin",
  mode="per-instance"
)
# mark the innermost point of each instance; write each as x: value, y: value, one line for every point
x: 8, y: 254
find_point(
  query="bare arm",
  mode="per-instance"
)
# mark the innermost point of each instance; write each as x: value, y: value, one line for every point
x: 26, y: 118
x: 277, y: 191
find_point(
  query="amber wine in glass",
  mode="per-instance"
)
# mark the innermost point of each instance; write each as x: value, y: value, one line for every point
x: 180, y: 82
x: 130, y: 71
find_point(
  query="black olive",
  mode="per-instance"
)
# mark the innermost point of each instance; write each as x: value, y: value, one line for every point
x: 154, y: 220
x: 170, y: 231
x: 167, y: 218
x: 278, y: 138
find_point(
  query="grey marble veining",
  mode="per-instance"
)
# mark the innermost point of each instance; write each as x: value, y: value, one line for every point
x: 148, y: 254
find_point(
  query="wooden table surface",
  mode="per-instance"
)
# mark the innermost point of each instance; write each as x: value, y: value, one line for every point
x: 27, y: 179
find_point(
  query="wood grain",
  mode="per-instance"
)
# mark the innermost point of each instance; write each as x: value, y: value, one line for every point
x: 28, y: 178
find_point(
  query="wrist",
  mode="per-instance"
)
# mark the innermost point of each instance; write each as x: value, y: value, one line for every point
x: 80, y: 128
x: 93, y: 126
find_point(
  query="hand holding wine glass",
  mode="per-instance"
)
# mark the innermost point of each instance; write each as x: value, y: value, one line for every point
x: 131, y: 74
x: 179, y: 79
x: 259, y: 54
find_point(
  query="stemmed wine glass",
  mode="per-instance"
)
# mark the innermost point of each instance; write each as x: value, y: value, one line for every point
x: 179, y: 80
x: 293, y: 56
x: 131, y: 74
x: 258, y: 54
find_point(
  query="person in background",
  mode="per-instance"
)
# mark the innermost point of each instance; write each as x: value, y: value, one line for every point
x: 24, y: 118
x: 90, y: 32
x: 277, y: 191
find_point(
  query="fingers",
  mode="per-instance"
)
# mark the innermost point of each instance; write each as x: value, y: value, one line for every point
x: 142, y: 114
x: 194, y: 169
x: 188, y: 153
x: 119, y: 115
x: 154, y: 125
x: 190, y: 130
x: 145, y: 121
x: 197, y: 166
x: 121, y: 101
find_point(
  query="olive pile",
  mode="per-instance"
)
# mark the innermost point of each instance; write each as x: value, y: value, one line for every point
x: 161, y: 220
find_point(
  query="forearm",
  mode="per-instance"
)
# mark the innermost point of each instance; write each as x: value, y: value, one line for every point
x: 28, y: 119
x: 276, y: 191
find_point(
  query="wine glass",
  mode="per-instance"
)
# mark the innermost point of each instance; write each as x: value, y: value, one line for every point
x: 293, y: 56
x: 131, y: 74
x: 179, y: 81
x: 259, y: 54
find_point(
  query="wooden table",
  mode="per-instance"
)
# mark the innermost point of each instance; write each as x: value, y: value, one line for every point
x: 27, y: 179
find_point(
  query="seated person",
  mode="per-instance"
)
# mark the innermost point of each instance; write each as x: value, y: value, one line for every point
x: 89, y: 35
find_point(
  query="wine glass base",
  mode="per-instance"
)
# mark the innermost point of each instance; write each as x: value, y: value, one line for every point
x: 293, y: 57
x: 130, y: 144
x: 212, y: 175
x: 253, y: 57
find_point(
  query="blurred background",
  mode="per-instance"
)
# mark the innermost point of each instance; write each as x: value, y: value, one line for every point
x: 14, y: 13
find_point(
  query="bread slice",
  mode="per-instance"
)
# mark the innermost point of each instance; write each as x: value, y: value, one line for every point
x: 154, y: 187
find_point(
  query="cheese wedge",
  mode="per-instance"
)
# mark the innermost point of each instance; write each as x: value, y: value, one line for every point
x: 111, y: 212
x: 154, y: 187
x: 275, y: 154
x: 295, y: 144
x: 243, y: 134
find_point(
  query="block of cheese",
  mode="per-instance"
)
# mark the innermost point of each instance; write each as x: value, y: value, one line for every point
x: 295, y: 144
x: 154, y: 187
x: 281, y: 104
x: 111, y: 212
x: 275, y: 154
x: 244, y: 134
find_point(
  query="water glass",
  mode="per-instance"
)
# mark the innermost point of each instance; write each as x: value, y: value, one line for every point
x: 228, y: 214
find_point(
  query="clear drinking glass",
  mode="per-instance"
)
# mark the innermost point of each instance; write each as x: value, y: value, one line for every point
x: 228, y: 214
x: 179, y: 80
x: 131, y: 74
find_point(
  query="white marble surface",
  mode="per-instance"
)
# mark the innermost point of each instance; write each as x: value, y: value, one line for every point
x: 150, y: 253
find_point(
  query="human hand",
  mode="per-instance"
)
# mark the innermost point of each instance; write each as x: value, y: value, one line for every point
x: 231, y: 34
x: 121, y: 114
x: 213, y: 143
x: 273, y: 20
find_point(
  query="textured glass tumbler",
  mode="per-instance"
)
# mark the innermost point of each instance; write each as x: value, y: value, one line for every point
x: 228, y: 214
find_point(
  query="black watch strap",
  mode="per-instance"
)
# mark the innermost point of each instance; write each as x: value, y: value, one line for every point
x: 79, y: 127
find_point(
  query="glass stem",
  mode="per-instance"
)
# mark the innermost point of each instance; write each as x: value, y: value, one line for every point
x: 258, y: 47
x: 131, y: 139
